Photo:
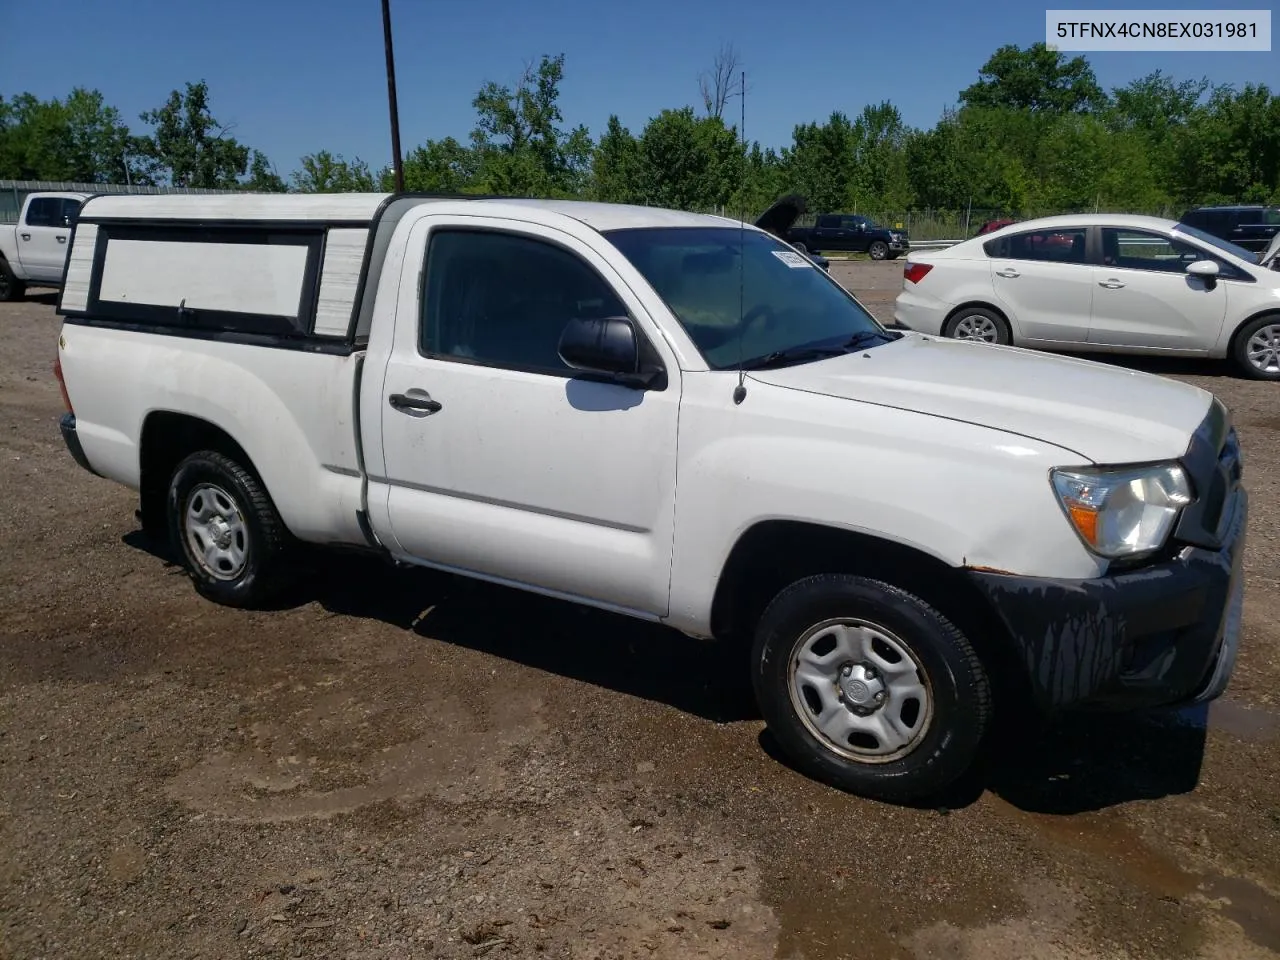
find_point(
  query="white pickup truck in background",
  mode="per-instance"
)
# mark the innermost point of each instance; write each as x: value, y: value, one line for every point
x: 34, y: 251
x: 672, y: 416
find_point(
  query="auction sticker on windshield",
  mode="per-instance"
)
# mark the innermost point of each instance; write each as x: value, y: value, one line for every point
x: 791, y: 259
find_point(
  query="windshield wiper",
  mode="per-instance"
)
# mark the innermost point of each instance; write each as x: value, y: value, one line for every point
x: 865, y: 338
x: 792, y: 355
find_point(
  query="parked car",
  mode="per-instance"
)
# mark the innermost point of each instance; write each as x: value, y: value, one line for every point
x: 851, y: 233
x: 671, y: 417
x: 1100, y: 282
x: 33, y: 252
x: 1249, y: 226
x: 781, y: 217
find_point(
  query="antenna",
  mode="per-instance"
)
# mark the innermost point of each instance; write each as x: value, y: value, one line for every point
x: 740, y: 391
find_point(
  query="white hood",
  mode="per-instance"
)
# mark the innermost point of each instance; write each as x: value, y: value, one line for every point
x: 1272, y: 251
x: 1103, y: 413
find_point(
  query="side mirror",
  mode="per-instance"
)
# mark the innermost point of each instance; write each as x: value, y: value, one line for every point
x: 607, y: 347
x: 1203, y: 268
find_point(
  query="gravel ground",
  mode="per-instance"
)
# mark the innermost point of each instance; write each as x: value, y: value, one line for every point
x: 401, y: 764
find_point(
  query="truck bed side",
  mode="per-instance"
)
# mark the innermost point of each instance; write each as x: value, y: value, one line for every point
x: 238, y: 328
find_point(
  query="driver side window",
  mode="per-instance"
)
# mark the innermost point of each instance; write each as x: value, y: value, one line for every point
x: 1155, y: 252
x: 502, y: 300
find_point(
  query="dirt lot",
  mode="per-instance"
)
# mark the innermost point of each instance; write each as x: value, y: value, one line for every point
x: 398, y: 764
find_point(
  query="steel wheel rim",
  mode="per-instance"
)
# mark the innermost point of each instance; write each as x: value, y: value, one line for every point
x: 977, y: 327
x: 1263, y: 349
x: 215, y: 530
x: 852, y: 684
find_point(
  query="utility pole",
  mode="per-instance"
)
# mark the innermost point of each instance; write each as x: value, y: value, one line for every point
x: 397, y: 163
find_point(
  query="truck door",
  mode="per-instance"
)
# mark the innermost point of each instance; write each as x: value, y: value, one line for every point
x: 497, y: 459
x: 829, y: 233
x: 43, y: 234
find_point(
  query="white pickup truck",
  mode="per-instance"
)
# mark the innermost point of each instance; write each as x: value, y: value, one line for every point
x: 672, y: 416
x: 34, y: 251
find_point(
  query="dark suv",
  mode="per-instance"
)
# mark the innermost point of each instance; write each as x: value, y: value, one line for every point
x: 1251, y: 227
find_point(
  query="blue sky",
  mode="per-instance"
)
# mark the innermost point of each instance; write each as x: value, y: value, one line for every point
x: 295, y: 76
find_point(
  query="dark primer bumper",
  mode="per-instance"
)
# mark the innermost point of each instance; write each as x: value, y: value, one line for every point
x: 68, y: 427
x: 1164, y: 634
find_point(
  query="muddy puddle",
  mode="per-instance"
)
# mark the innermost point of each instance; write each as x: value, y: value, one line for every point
x: 1232, y: 718
x: 1108, y: 842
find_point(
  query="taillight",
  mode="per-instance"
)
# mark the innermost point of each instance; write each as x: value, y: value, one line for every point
x: 915, y: 272
x: 62, y: 384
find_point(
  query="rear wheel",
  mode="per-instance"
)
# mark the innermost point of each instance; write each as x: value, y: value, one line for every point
x: 11, y: 288
x: 869, y: 688
x: 878, y: 250
x: 226, y: 529
x: 978, y: 323
x: 1256, y: 350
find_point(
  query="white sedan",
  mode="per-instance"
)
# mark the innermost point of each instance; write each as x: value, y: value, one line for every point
x: 1101, y: 282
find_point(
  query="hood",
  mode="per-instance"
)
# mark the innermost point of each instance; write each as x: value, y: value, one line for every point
x: 1102, y: 413
x: 1269, y: 256
x: 781, y: 217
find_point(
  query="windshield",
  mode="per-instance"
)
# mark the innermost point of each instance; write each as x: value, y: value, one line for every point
x: 719, y: 280
x: 1248, y: 256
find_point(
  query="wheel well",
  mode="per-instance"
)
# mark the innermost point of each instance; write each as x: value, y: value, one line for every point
x: 167, y: 439
x: 776, y: 553
x: 1235, y: 334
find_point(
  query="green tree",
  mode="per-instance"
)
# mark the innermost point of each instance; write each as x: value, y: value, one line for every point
x: 522, y: 149
x: 821, y: 162
x: 880, y: 177
x: 1230, y: 150
x: 1036, y: 78
x: 324, y: 172
x: 439, y: 166
x: 263, y: 177
x: 188, y: 147
x: 80, y: 139
x: 688, y: 163
x: 615, y: 165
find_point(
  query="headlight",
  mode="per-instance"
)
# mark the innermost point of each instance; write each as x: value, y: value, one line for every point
x: 1123, y: 511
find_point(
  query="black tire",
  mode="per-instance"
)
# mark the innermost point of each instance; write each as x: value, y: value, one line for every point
x: 1240, y: 348
x: 959, y: 692
x: 260, y: 534
x: 879, y: 250
x: 1003, y: 335
x: 801, y: 248
x: 11, y: 288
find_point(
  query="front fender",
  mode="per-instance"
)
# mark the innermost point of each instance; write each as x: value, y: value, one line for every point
x: 969, y: 496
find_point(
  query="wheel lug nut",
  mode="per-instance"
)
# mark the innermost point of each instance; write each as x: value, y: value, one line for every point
x: 880, y: 697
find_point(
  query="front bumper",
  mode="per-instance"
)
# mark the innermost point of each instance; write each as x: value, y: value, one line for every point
x: 68, y: 427
x: 1162, y: 635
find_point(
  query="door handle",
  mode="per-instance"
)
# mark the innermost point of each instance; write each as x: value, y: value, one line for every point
x: 1110, y: 284
x: 1008, y: 273
x: 26, y: 236
x: 62, y: 239
x: 406, y: 404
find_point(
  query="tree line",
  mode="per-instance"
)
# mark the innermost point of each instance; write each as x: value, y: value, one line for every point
x: 1034, y: 133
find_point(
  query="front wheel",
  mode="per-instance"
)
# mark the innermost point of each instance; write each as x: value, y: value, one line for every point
x: 226, y: 529
x: 869, y: 688
x: 1256, y: 350
x: 878, y: 250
